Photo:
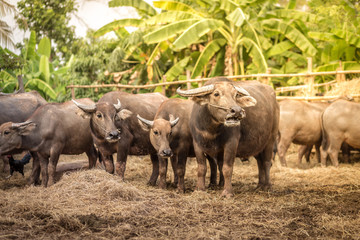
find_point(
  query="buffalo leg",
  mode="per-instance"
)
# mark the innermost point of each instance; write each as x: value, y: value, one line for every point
x: 333, y: 149
x: 264, y: 165
x: 108, y: 163
x: 35, y: 172
x: 122, y: 154
x: 227, y: 169
x: 181, y: 168
x: 345, y: 149
x: 304, y: 150
x: 283, y: 146
x: 163, y: 162
x: 6, y: 167
x: 54, y: 158
x: 213, y: 171
x: 44, y: 162
x: 201, y: 171
x: 155, y: 169
x: 174, y: 163
x: 220, y: 162
x: 317, y: 152
x: 92, y: 156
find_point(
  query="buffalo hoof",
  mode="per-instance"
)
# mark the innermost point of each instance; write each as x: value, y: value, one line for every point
x: 227, y: 194
x: 180, y: 190
x: 151, y: 183
x: 263, y: 187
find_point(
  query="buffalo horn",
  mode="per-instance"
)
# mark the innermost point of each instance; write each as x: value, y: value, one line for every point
x: 86, y: 108
x: 118, y: 105
x: 174, y: 122
x: 196, y: 92
x: 242, y: 91
x: 147, y: 122
x: 18, y: 125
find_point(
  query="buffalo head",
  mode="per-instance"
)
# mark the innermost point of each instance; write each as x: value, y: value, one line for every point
x: 225, y: 101
x: 104, y: 119
x: 160, y: 133
x: 11, y: 135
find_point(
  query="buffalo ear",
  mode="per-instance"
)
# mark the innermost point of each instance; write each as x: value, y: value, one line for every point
x: 124, y: 114
x: 82, y: 113
x: 246, y: 101
x: 145, y: 124
x: 201, y: 100
x: 24, y: 128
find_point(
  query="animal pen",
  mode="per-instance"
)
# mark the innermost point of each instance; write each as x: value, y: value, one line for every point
x: 307, y: 90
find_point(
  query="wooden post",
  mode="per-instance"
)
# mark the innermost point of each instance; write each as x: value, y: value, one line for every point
x: 310, y: 79
x: 73, y: 93
x: 188, y: 77
x: 340, y: 77
x: 164, y: 86
x: 268, y: 79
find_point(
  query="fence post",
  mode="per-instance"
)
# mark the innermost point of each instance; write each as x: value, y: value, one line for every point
x: 188, y: 77
x: 310, y: 79
x: 268, y: 79
x: 164, y: 86
x: 340, y: 77
x: 73, y: 93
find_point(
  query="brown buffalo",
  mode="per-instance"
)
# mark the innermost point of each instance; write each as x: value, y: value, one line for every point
x: 340, y: 124
x: 170, y: 135
x: 115, y: 128
x: 222, y: 129
x: 17, y: 107
x: 53, y: 129
x: 300, y: 124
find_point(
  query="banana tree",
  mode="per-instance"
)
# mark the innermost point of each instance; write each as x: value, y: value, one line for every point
x: 37, y: 71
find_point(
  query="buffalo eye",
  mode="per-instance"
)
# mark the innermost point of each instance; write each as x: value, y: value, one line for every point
x: 156, y: 132
x: 6, y: 132
x: 98, y: 115
x: 216, y: 94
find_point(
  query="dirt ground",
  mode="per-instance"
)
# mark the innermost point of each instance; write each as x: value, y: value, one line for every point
x: 306, y: 202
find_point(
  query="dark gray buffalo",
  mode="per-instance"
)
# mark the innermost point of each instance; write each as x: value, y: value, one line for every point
x: 17, y: 107
x: 170, y: 135
x: 340, y: 124
x: 116, y: 129
x: 53, y: 129
x: 300, y: 124
x: 222, y: 129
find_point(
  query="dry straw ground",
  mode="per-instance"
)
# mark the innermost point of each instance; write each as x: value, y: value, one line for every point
x: 308, y: 202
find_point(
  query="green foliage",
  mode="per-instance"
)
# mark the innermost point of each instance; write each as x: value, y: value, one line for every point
x: 37, y: 71
x: 49, y: 19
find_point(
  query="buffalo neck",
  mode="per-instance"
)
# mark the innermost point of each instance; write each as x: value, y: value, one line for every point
x: 205, y: 121
x: 31, y: 142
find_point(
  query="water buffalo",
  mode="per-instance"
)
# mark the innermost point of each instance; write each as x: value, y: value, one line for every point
x: 115, y: 128
x: 53, y: 129
x: 300, y: 124
x: 170, y: 135
x: 222, y: 129
x: 17, y: 107
x: 340, y: 124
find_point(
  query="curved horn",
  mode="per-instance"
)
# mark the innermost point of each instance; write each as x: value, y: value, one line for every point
x: 147, y: 122
x: 174, y: 122
x: 85, y: 108
x: 242, y: 91
x: 7, y: 94
x: 118, y: 105
x: 196, y: 92
x: 18, y: 125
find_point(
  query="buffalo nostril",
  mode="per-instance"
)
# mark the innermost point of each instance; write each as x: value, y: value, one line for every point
x: 235, y: 109
x: 167, y: 152
x: 114, y: 134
